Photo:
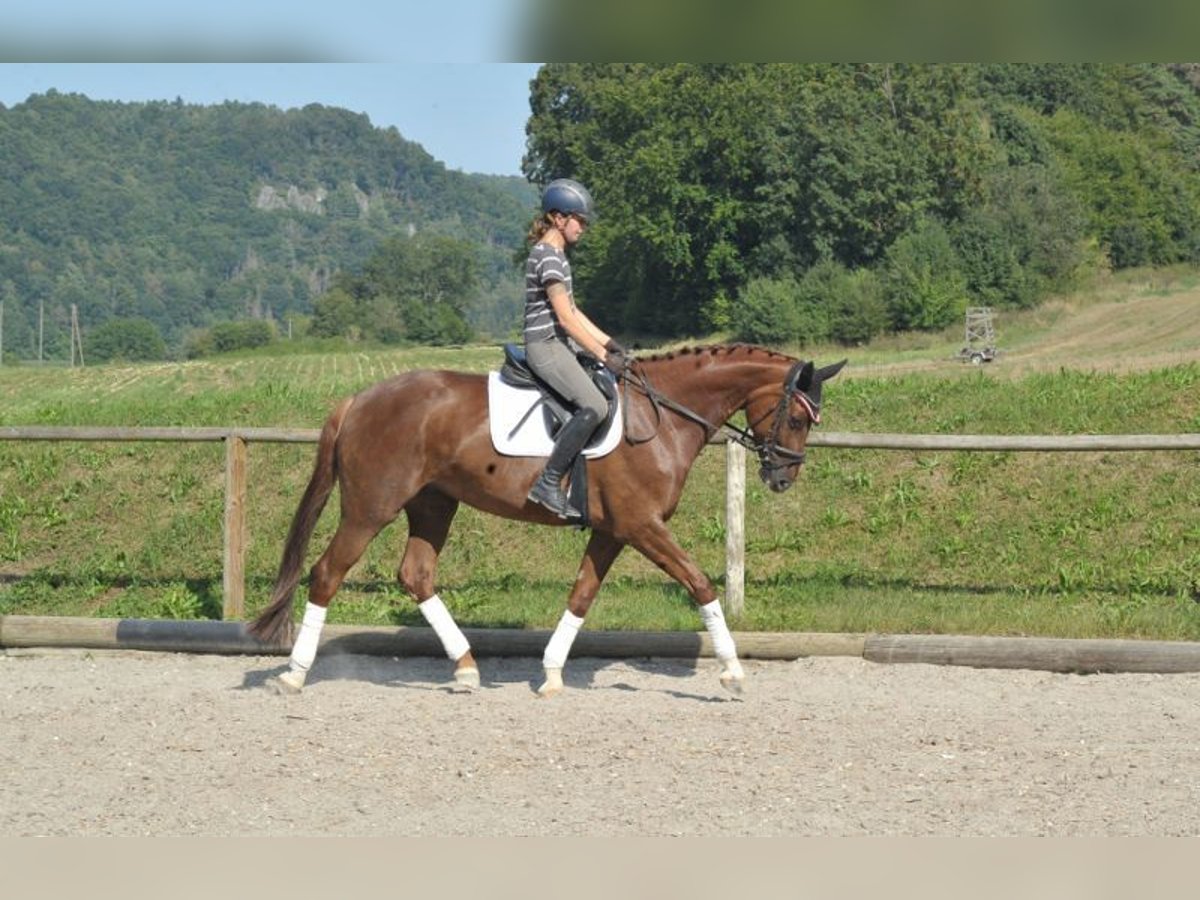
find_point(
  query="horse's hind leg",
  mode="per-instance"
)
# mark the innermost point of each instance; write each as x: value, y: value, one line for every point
x: 429, y: 516
x: 347, y: 545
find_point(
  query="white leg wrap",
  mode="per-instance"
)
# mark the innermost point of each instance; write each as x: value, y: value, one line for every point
x: 722, y: 640
x: 561, y: 641
x: 454, y: 642
x: 304, y: 650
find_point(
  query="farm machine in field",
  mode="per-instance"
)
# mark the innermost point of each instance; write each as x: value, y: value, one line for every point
x: 980, y: 345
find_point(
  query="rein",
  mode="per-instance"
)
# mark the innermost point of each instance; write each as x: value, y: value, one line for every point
x: 770, y: 454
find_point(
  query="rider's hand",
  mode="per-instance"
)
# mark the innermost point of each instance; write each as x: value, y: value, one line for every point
x: 614, y: 358
x: 614, y: 361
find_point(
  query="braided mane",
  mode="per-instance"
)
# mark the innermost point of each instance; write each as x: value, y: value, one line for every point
x: 714, y: 350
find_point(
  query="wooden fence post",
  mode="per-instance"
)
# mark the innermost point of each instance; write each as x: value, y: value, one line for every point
x: 735, y: 528
x: 235, y: 527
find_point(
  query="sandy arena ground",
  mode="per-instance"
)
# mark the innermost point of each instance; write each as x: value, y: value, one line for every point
x: 120, y: 743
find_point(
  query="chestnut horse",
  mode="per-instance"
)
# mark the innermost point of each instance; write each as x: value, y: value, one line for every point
x: 419, y: 443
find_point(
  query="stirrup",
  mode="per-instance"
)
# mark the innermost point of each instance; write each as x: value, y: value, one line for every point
x: 551, y: 496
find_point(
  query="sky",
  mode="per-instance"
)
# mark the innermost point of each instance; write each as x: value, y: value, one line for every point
x: 234, y: 30
x: 470, y: 116
x: 441, y: 72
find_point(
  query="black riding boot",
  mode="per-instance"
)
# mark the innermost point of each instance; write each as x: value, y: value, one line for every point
x: 568, y: 443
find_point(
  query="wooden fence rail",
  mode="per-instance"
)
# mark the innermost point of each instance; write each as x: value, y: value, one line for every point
x: 233, y: 573
x: 237, y: 440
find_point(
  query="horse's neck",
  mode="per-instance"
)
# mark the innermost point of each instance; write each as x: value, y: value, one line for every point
x: 720, y: 387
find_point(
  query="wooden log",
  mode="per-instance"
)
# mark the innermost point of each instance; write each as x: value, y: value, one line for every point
x: 797, y: 645
x: 57, y: 631
x: 234, y: 572
x: 735, y: 528
x: 128, y: 634
x: 1046, y: 654
x: 230, y: 638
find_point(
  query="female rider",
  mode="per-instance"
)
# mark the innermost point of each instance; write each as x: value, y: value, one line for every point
x: 555, y: 329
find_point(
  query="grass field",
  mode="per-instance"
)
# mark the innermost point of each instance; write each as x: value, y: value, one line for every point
x: 1102, y: 544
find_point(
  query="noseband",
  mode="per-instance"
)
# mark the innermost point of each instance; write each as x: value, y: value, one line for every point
x: 771, y: 455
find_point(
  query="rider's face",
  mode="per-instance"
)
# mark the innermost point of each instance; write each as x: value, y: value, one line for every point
x: 572, y: 227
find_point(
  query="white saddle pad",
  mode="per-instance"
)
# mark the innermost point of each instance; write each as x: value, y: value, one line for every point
x: 508, y: 405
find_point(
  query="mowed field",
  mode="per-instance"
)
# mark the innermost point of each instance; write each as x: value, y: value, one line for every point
x: 1147, y: 322
x: 1057, y: 544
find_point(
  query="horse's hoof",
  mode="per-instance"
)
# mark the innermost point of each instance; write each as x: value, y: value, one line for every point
x: 287, y: 684
x: 467, y: 678
x: 553, y: 685
x: 733, y: 678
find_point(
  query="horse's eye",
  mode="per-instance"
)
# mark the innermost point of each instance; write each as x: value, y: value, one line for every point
x: 796, y: 422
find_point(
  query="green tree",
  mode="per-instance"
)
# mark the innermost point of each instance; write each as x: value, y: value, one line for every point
x: 226, y: 337
x: 335, y: 314
x: 709, y: 176
x: 768, y: 312
x: 131, y: 340
x: 923, y: 284
x: 670, y: 155
x: 243, y: 335
x: 1139, y: 204
x: 412, y: 289
x: 855, y: 306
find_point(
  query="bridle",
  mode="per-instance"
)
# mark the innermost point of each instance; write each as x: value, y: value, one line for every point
x: 771, y: 456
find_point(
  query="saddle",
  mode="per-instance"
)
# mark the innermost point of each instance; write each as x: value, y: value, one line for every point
x: 525, y: 415
x: 516, y: 373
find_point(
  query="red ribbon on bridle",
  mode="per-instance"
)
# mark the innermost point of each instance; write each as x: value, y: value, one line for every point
x: 814, y: 414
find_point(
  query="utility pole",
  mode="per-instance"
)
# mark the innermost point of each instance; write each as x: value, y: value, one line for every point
x: 76, y: 336
x: 41, y: 327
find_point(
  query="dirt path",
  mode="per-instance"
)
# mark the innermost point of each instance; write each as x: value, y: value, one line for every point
x: 166, y: 744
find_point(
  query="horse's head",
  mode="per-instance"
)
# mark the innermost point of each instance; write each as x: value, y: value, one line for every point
x: 780, y: 418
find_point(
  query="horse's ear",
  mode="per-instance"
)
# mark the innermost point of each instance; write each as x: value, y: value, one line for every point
x: 804, y: 381
x: 829, y: 371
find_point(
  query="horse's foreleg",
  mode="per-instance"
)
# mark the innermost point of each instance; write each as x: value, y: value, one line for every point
x: 658, y: 545
x: 429, y: 516
x: 602, y: 550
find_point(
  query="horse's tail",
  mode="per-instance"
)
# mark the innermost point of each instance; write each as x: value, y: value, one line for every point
x: 274, y: 624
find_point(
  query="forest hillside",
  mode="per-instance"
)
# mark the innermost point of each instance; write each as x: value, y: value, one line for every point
x: 187, y: 215
x: 778, y: 203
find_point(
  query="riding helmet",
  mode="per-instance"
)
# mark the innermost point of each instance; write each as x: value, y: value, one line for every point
x: 568, y: 197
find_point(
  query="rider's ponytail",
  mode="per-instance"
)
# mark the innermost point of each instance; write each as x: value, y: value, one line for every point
x: 538, y: 229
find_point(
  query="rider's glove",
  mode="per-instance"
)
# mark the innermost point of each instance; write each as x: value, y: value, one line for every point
x: 614, y: 357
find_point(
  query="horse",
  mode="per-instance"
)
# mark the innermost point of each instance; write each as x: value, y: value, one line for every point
x: 419, y: 443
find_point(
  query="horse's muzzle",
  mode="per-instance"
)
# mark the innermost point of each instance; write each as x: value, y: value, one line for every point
x: 779, y: 479
x: 779, y: 467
